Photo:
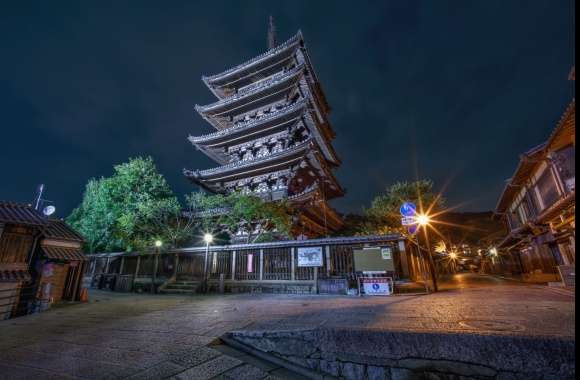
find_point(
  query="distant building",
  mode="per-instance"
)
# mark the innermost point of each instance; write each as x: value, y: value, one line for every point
x: 273, y: 137
x: 538, y: 205
x: 41, y: 261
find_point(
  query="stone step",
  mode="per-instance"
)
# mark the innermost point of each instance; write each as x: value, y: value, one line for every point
x: 177, y: 291
x: 185, y: 287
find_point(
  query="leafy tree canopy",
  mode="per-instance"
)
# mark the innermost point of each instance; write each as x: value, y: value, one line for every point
x: 383, y: 215
x: 245, y: 217
x: 128, y: 210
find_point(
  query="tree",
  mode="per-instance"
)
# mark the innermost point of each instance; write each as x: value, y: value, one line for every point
x: 383, y: 216
x: 96, y: 216
x: 129, y: 210
x: 242, y: 216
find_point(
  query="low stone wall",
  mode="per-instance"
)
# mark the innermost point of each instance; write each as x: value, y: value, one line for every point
x: 369, y: 354
x: 257, y: 287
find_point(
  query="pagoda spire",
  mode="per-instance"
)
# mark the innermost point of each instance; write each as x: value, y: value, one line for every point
x: 271, y: 33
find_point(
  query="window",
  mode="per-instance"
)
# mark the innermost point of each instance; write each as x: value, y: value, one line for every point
x: 547, y: 189
x: 565, y: 162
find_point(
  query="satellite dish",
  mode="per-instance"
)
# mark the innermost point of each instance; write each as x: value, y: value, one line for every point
x: 49, y: 210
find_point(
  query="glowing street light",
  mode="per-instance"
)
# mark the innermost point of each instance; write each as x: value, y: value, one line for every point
x: 423, y: 219
x: 453, y: 255
x: 158, y: 243
x: 208, y: 238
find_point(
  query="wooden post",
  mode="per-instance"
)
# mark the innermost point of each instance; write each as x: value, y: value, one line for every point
x: 176, y: 264
x: 137, y: 267
x: 154, y: 274
x: 261, y: 264
x: 121, y: 267
x: 107, y: 264
x: 293, y: 263
x: 403, y: 258
x: 136, y: 273
x: 316, y: 280
x: 233, y: 265
x: 327, y: 250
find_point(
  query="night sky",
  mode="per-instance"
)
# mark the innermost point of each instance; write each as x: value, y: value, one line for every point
x: 448, y: 90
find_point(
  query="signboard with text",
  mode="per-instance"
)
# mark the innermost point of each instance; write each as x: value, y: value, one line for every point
x: 377, y: 286
x: 309, y: 256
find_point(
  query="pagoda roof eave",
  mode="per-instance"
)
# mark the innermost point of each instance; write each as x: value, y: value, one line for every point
x: 225, y: 134
x: 222, y: 105
x: 292, y: 153
x: 321, y: 164
x: 295, y: 40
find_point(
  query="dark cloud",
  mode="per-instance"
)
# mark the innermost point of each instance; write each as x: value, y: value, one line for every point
x: 450, y: 90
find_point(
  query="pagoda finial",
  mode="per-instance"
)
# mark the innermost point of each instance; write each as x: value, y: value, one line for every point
x: 271, y: 33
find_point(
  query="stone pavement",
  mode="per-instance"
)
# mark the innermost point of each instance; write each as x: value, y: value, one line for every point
x: 150, y: 337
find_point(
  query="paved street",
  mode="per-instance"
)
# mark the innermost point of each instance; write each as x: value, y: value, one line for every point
x: 143, y: 336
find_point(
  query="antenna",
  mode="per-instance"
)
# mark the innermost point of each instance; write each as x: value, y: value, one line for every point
x: 271, y: 34
x: 38, y: 196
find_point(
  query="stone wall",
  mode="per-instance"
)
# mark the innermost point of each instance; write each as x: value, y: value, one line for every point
x: 257, y: 287
x: 368, y: 354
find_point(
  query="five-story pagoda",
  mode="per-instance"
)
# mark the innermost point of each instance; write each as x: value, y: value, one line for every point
x: 273, y: 137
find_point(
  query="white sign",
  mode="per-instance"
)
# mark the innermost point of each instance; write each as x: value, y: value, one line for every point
x: 310, y: 257
x: 377, y: 286
x: 387, y: 253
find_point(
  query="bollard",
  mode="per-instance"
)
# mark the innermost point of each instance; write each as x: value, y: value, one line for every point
x: 222, y: 283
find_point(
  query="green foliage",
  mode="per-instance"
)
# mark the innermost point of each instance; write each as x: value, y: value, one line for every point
x: 96, y: 216
x: 257, y: 219
x: 383, y: 216
x: 129, y: 210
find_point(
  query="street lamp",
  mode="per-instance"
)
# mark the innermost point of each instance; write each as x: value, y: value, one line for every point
x: 424, y: 220
x: 158, y: 243
x: 208, y: 239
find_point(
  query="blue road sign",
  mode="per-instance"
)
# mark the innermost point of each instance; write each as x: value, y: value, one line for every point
x: 408, y: 209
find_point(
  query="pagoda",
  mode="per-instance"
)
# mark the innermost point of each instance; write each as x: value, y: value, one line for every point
x: 273, y: 138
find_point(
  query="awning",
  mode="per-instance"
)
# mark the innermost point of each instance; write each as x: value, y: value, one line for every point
x: 63, y: 253
x: 14, y: 276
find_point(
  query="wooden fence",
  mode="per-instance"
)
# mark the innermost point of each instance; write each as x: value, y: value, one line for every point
x: 249, y: 267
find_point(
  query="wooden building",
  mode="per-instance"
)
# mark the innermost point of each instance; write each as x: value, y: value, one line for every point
x: 20, y: 231
x: 273, y: 137
x: 538, y: 207
x: 59, y: 263
x: 41, y: 261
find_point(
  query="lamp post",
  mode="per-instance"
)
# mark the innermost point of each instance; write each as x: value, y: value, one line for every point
x: 158, y: 245
x: 423, y: 220
x: 208, y: 239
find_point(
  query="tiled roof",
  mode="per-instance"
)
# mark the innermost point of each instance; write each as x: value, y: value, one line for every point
x: 17, y: 213
x: 58, y: 229
x: 14, y: 276
x: 529, y: 161
x: 293, y: 40
x: 63, y: 253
